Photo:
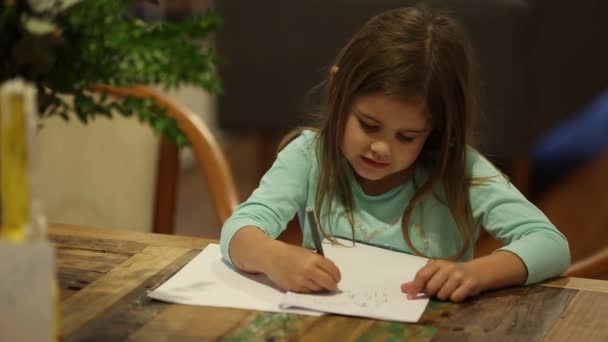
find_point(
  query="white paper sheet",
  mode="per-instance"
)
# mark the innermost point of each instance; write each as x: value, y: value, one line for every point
x: 208, y: 280
x: 370, y: 285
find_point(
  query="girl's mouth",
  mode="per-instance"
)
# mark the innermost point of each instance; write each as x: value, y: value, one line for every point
x: 374, y: 164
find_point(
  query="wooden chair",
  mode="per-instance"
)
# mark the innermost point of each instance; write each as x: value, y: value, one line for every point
x: 577, y: 205
x: 594, y: 266
x: 210, y: 157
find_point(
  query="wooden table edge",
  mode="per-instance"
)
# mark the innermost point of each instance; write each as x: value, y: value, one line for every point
x: 149, y: 238
x: 200, y: 243
x: 584, y: 284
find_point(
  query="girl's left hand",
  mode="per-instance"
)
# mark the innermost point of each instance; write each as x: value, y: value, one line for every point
x: 445, y: 280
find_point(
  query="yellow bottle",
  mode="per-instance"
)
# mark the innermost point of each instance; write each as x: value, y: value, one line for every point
x: 21, y: 219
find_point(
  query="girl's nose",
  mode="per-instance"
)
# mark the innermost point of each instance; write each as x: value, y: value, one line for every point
x: 380, y: 149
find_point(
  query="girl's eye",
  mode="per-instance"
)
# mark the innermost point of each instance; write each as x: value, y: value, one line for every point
x: 366, y: 126
x: 404, y: 139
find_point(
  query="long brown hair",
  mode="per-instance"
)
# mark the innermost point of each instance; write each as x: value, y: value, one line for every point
x: 410, y: 53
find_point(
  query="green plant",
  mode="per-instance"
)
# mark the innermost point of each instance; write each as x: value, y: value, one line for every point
x: 68, y: 47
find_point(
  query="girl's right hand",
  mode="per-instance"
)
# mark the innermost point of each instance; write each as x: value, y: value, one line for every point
x: 298, y: 269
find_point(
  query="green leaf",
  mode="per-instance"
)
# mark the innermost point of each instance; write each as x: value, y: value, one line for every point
x: 81, y: 44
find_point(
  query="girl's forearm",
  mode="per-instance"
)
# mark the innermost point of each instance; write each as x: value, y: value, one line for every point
x: 251, y: 249
x: 500, y: 269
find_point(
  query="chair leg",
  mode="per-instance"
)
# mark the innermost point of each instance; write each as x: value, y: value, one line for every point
x: 166, y: 188
x: 293, y: 233
x: 267, y: 151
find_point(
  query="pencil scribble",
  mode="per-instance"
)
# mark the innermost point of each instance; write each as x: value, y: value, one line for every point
x: 363, y: 299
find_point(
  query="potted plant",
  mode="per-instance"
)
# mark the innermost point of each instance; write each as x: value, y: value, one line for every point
x: 69, y: 47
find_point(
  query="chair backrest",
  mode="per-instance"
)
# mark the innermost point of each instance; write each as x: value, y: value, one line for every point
x: 594, y: 266
x: 117, y: 173
x: 212, y: 161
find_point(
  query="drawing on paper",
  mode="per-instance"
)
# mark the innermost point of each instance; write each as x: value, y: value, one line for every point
x: 363, y: 299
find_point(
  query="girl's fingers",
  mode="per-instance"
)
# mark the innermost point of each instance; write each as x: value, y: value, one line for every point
x: 442, y: 279
x: 436, y: 282
x: 450, y: 285
x: 420, y: 280
x: 411, y: 289
x: 406, y: 287
x: 308, y: 286
x: 465, y: 290
x: 324, y: 280
x: 331, y: 269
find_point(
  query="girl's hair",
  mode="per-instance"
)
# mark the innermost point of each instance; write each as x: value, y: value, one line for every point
x: 411, y: 53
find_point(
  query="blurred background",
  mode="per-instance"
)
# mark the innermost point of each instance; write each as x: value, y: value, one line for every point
x: 543, y: 83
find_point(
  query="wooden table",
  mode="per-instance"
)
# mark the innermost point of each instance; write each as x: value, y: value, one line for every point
x: 105, y: 274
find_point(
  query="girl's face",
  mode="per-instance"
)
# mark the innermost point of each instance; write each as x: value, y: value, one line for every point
x: 383, y: 137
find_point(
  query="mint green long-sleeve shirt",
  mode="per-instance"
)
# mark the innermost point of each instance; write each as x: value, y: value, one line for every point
x: 289, y: 188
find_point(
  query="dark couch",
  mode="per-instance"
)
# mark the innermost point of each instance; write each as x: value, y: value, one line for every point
x: 538, y: 61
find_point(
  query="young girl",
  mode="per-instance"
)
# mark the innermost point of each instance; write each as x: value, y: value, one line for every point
x: 390, y: 165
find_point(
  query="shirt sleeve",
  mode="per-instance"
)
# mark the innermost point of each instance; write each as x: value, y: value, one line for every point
x: 510, y: 218
x: 281, y: 193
